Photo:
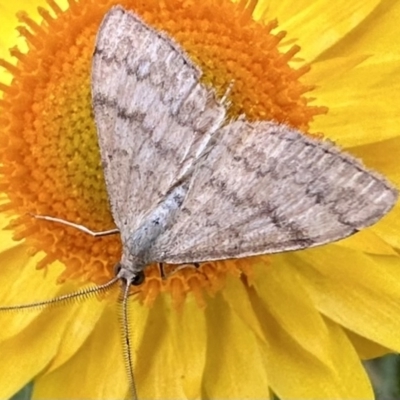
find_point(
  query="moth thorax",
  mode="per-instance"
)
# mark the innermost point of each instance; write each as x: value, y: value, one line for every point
x: 137, y: 249
x: 130, y: 277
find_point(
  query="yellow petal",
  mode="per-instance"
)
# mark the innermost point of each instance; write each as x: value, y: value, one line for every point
x: 365, y: 348
x: 189, y: 337
x: 291, y: 307
x: 319, y: 24
x: 236, y: 297
x: 96, y: 371
x: 362, y: 103
x: 351, y: 375
x: 24, y: 284
x: 78, y: 329
x: 33, y: 348
x: 367, y: 241
x: 235, y: 368
x: 388, y: 227
x: 378, y: 34
x: 360, y: 292
x: 172, y: 353
x: 322, y: 71
x: 339, y: 376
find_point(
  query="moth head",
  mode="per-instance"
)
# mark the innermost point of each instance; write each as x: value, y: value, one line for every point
x: 129, y: 277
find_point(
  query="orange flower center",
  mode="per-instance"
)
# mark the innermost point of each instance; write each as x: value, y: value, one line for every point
x: 49, y: 152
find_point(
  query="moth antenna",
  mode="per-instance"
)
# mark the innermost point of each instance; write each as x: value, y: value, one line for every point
x: 64, y: 298
x: 126, y: 341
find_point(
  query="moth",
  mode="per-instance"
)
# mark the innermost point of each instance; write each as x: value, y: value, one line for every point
x: 186, y: 185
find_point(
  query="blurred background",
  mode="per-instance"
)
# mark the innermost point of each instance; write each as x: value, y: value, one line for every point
x: 385, y: 376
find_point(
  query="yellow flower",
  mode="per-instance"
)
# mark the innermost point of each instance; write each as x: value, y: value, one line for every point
x: 297, y: 324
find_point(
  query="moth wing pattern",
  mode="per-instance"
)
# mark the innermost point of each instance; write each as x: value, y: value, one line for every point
x: 265, y: 188
x: 153, y: 116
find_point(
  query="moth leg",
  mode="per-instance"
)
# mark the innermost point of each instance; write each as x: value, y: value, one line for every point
x: 76, y: 226
x: 188, y: 265
x: 180, y: 267
x: 161, y: 269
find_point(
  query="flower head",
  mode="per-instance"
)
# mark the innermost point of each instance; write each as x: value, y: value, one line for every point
x: 295, y: 319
